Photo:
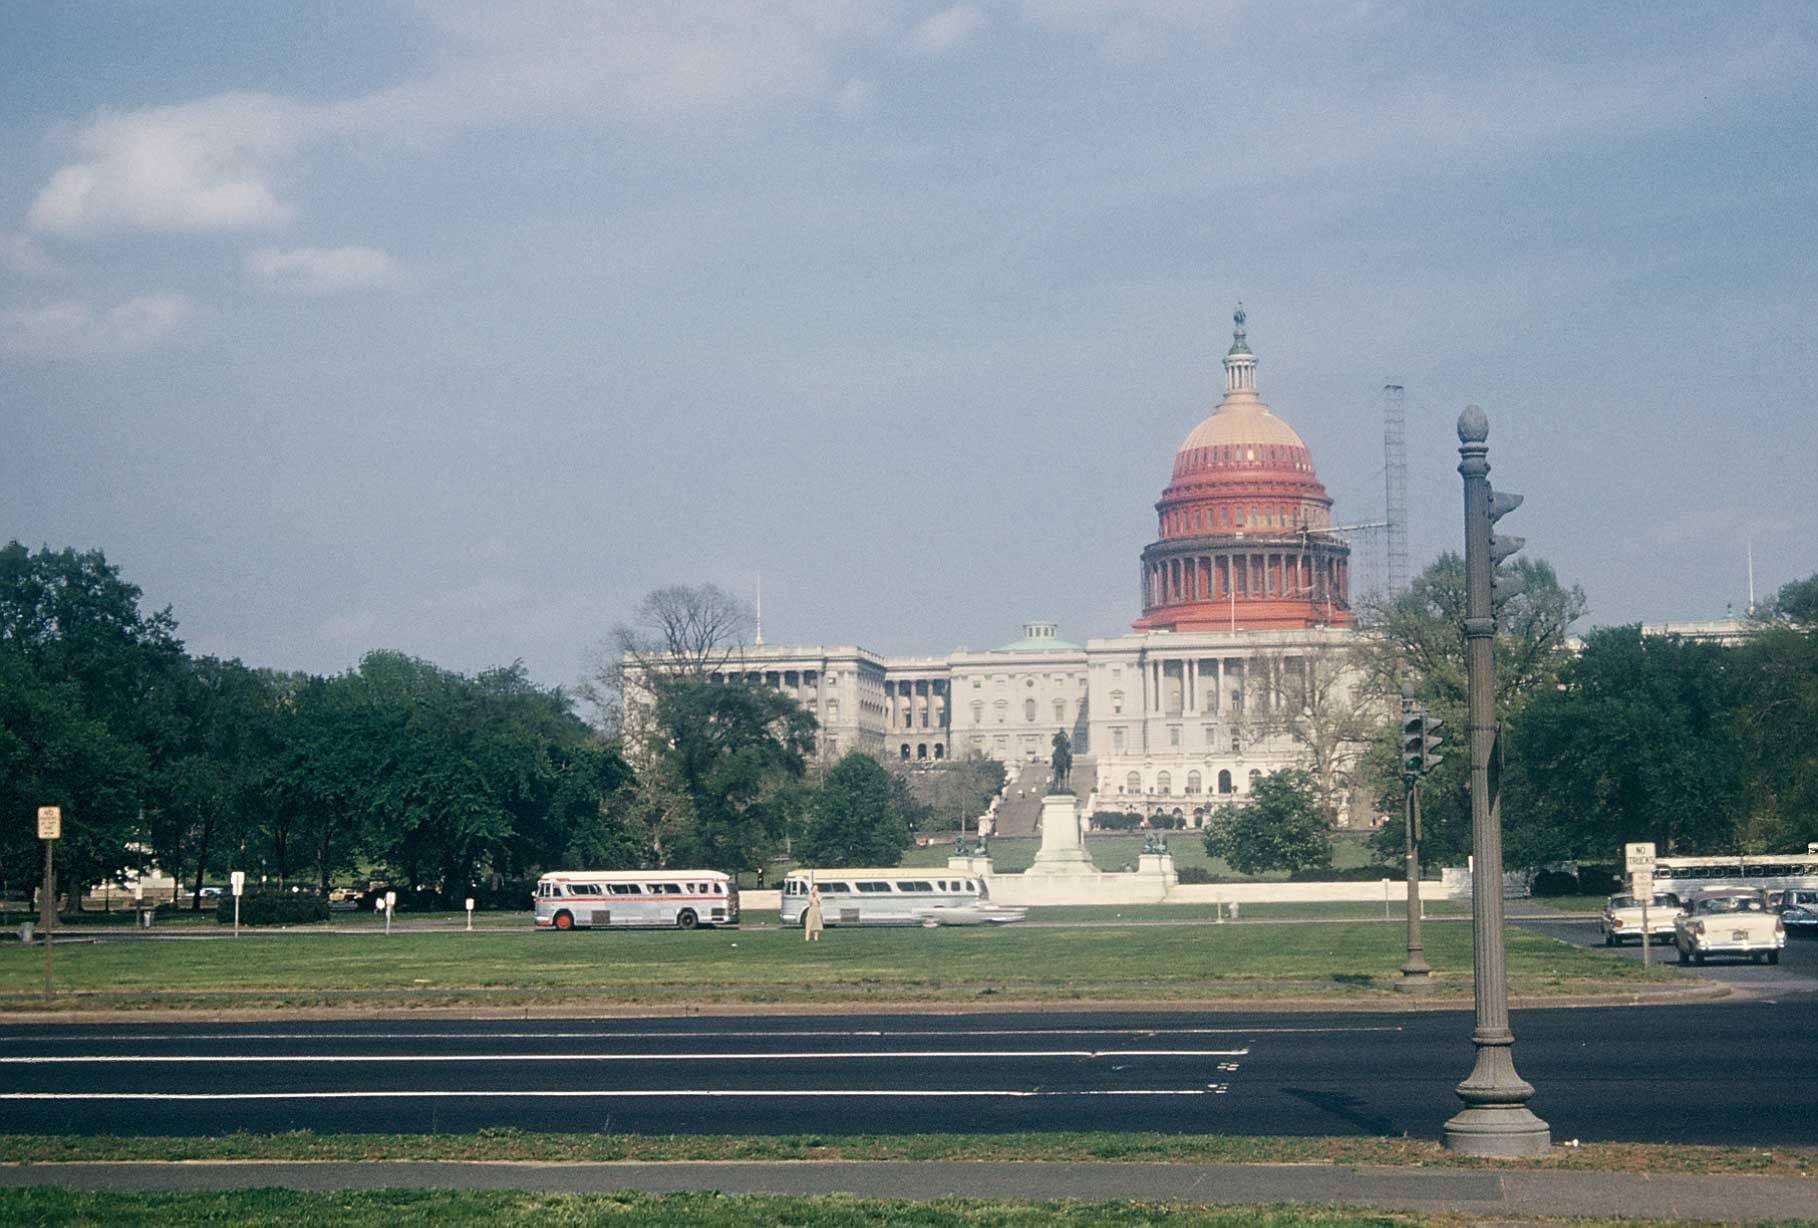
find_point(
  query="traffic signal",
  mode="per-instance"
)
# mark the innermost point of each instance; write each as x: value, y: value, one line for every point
x: 1419, y: 743
x: 1504, y: 586
x: 1413, y: 742
x: 1429, y: 744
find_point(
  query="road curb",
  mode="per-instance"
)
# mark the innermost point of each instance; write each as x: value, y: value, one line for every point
x: 1673, y: 995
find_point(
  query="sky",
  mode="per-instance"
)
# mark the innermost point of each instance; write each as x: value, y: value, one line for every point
x: 457, y: 328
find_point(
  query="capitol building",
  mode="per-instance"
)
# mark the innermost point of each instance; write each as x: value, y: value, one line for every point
x: 1239, y: 664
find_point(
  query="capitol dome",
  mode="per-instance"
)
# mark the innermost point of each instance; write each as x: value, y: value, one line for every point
x: 1245, y: 525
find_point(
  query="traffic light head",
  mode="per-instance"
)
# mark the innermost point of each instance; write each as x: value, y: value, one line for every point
x: 1429, y: 744
x: 1413, y: 742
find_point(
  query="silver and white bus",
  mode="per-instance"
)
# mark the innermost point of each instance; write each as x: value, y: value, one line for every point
x: 1684, y: 875
x: 596, y: 899
x: 894, y: 897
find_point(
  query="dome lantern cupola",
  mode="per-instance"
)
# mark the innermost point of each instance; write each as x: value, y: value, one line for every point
x: 1240, y: 363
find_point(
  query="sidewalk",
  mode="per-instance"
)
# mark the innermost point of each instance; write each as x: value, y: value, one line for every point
x: 1731, y: 1199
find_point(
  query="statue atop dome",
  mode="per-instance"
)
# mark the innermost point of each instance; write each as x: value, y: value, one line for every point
x: 1239, y: 344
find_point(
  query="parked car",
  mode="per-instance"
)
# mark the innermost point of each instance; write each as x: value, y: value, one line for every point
x: 1789, y: 897
x: 1622, y: 918
x: 1800, y: 919
x: 1728, y: 921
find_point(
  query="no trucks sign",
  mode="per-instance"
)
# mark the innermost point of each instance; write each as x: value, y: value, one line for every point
x: 50, y: 822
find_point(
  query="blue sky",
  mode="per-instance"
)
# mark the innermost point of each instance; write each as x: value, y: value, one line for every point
x: 456, y: 328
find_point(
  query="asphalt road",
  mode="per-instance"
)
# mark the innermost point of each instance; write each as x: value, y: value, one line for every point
x: 1796, y: 973
x: 1728, y: 1072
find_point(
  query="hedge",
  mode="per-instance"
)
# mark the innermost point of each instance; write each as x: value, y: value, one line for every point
x: 274, y: 908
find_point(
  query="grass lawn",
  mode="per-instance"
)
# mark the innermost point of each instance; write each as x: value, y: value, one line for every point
x: 1571, y: 903
x: 432, y: 1208
x: 757, y: 966
x: 506, y: 1144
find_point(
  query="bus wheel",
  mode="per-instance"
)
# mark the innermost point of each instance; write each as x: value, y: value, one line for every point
x: 564, y: 921
x: 686, y: 919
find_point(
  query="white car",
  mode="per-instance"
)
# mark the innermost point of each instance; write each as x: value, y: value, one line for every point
x: 1728, y: 921
x: 1623, y: 917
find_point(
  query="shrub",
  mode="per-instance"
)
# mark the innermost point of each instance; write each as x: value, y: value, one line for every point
x: 1115, y: 820
x: 1555, y: 882
x: 1166, y: 822
x: 275, y: 908
x: 1192, y: 875
x: 1350, y: 874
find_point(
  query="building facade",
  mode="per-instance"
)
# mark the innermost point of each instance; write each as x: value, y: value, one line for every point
x: 1239, y: 655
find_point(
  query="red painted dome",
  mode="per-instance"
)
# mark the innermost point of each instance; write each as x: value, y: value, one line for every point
x: 1244, y: 523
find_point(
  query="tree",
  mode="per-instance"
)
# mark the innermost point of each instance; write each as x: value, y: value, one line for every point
x: 957, y: 791
x: 1280, y: 827
x: 1323, y: 702
x: 854, y: 819
x: 1775, y: 685
x: 1637, y: 742
x: 714, y: 765
x: 92, y: 715
x: 1796, y: 603
x: 680, y: 631
x: 1419, y: 638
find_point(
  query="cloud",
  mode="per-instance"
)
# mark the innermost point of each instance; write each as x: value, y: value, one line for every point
x: 20, y: 254
x: 75, y: 328
x: 197, y: 166
x: 855, y: 99
x: 322, y: 270
x: 947, y: 29
x: 217, y: 163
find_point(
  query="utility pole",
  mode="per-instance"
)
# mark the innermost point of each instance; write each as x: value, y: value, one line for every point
x: 1496, y: 1120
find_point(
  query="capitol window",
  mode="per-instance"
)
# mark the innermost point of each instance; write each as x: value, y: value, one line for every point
x: 978, y: 712
x: 1133, y: 783
x: 1192, y: 784
x: 1224, y: 782
x: 1164, y: 783
x: 1029, y: 710
x: 1174, y: 735
x: 1117, y: 703
x: 1117, y: 741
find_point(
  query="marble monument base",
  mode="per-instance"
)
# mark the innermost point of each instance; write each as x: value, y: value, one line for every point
x: 1063, y: 851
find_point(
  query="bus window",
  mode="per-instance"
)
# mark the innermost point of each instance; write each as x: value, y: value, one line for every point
x: 872, y: 888
x: 913, y: 885
x: 835, y: 889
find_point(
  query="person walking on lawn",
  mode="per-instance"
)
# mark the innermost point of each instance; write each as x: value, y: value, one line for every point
x: 811, y: 920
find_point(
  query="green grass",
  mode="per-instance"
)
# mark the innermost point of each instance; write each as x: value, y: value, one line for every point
x: 1571, y: 903
x: 507, y: 1144
x: 671, y: 968
x: 434, y: 1208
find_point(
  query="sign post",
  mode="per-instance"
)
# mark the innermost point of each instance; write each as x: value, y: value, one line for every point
x: 470, y: 913
x: 1638, y: 858
x: 391, y: 905
x: 50, y: 830
x: 238, y: 879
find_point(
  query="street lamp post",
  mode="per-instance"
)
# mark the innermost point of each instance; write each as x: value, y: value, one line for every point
x: 1495, y: 1120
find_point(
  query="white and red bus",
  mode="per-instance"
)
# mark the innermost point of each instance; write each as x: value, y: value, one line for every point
x: 597, y: 899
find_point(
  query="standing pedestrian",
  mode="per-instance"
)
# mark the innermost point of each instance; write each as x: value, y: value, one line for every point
x: 811, y: 919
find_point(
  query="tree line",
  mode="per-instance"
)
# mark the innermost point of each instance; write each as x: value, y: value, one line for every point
x: 1698, y: 746
x: 440, y: 783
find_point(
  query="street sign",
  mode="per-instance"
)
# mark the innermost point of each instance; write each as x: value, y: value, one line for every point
x: 1641, y: 884
x: 238, y: 879
x: 50, y: 822
x: 1638, y: 856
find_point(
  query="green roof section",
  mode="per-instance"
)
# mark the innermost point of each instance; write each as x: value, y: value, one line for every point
x: 1039, y: 636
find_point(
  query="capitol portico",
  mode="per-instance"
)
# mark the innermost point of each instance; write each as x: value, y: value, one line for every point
x: 1241, y: 645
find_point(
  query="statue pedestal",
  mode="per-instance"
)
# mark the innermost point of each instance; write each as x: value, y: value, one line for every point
x: 1158, y: 865
x: 970, y: 865
x: 1062, y: 850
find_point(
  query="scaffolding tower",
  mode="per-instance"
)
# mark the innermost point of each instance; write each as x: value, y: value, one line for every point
x: 1395, y: 487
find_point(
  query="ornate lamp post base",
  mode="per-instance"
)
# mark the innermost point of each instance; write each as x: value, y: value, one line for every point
x: 1495, y: 1120
x: 1415, y: 980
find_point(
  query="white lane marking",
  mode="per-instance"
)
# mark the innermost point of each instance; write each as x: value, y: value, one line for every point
x: 612, y: 1093
x: 597, y: 1034
x: 804, y: 1055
